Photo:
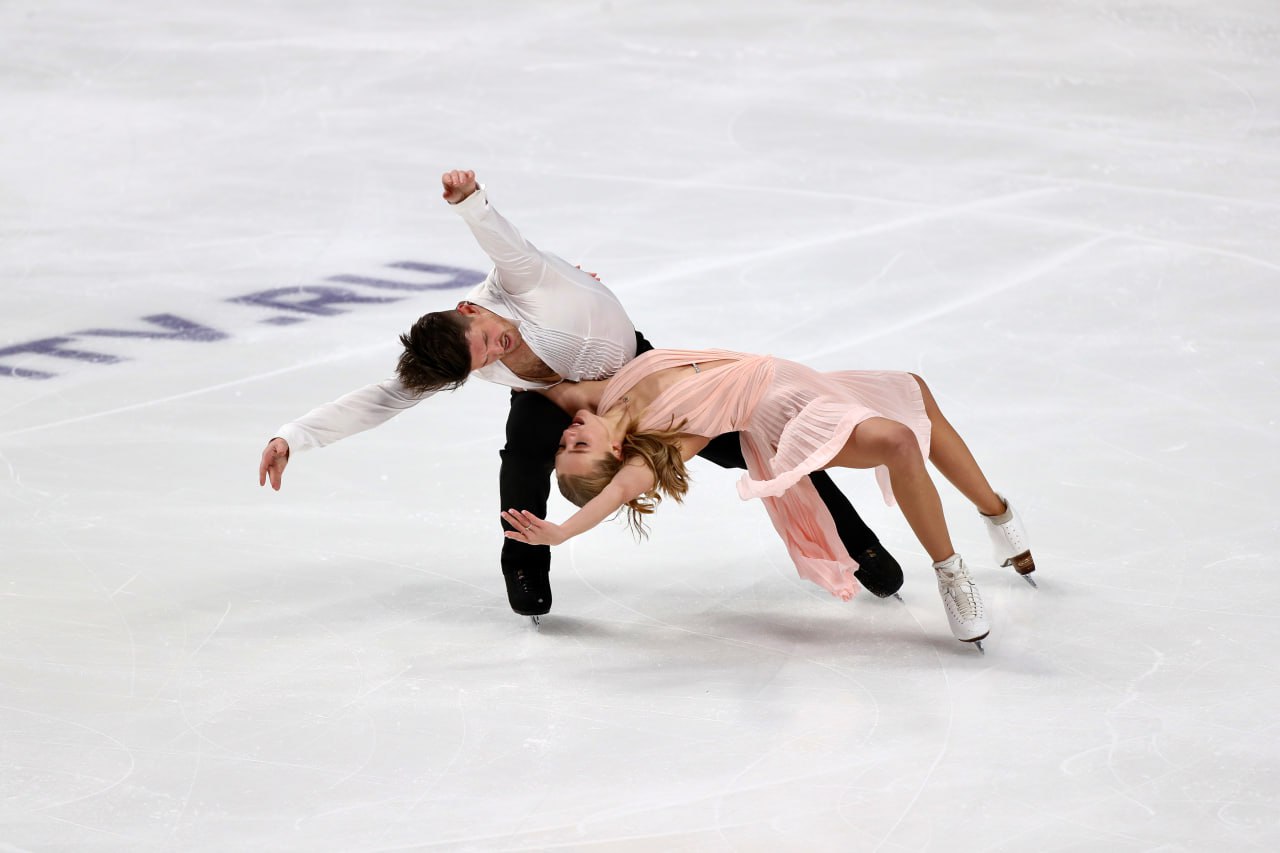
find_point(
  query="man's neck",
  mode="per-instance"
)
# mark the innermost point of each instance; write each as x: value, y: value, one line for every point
x: 525, y: 364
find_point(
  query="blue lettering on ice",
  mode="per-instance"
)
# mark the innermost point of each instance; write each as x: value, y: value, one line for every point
x: 298, y: 304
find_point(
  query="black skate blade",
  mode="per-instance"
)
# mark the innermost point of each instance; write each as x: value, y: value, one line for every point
x: 900, y: 598
x: 537, y: 622
x: 1030, y: 580
x: 977, y: 644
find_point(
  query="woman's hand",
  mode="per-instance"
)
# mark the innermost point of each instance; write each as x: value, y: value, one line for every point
x: 532, y: 530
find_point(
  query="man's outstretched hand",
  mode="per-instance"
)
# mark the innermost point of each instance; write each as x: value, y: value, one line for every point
x: 274, y: 458
x: 458, y: 184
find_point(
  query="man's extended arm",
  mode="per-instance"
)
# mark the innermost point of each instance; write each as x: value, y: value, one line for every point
x: 358, y: 411
x: 519, y: 265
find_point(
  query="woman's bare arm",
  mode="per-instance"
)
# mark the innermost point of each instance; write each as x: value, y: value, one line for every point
x: 691, y: 445
x: 631, y: 481
x: 573, y: 396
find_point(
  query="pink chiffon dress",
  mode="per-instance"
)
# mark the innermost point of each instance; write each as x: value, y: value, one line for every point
x: 792, y: 420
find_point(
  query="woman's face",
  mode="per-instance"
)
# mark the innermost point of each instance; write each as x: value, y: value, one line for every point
x: 583, y: 444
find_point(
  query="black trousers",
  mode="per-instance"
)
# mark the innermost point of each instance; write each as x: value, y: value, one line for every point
x: 534, y: 426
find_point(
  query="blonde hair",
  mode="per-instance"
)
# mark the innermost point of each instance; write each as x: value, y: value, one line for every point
x: 659, y: 450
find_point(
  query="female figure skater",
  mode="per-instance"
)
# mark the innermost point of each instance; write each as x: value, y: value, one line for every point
x: 632, y: 434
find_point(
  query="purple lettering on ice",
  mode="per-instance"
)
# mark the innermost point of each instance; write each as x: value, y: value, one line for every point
x: 320, y: 300
x: 50, y: 347
x: 180, y: 330
x: 309, y: 299
x: 300, y: 303
x: 455, y: 277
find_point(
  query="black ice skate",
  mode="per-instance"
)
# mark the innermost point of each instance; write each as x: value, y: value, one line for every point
x: 529, y: 593
x: 878, y: 572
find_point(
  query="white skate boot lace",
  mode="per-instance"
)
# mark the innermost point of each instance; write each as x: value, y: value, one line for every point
x: 960, y: 591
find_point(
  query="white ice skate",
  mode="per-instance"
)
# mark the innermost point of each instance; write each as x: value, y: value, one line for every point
x: 1009, y: 538
x: 962, y: 601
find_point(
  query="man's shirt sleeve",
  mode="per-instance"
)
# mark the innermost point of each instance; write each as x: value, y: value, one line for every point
x: 362, y: 409
x: 519, y: 266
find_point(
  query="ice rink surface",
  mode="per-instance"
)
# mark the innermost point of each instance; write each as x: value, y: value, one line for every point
x: 1063, y: 215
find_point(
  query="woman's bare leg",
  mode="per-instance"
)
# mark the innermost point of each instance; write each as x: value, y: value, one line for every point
x: 880, y: 441
x: 951, y: 456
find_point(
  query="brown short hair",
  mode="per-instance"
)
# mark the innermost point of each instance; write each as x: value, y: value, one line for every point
x: 436, y: 355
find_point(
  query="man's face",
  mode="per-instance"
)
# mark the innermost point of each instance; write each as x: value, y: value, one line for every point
x: 489, y: 337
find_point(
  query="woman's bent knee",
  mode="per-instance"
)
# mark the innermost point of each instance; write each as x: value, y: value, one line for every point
x: 885, y: 437
x: 898, y: 443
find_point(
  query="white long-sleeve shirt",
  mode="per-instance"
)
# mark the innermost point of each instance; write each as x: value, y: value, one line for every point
x: 568, y: 319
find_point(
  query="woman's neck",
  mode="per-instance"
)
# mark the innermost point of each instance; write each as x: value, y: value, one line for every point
x: 617, y: 419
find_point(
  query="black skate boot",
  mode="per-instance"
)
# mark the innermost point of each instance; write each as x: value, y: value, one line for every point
x: 529, y: 592
x: 878, y: 572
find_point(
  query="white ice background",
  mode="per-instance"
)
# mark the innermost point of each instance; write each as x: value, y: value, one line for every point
x: 1063, y: 214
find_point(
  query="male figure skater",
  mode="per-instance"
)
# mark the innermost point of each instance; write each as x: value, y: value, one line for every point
x: 535, y: 321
